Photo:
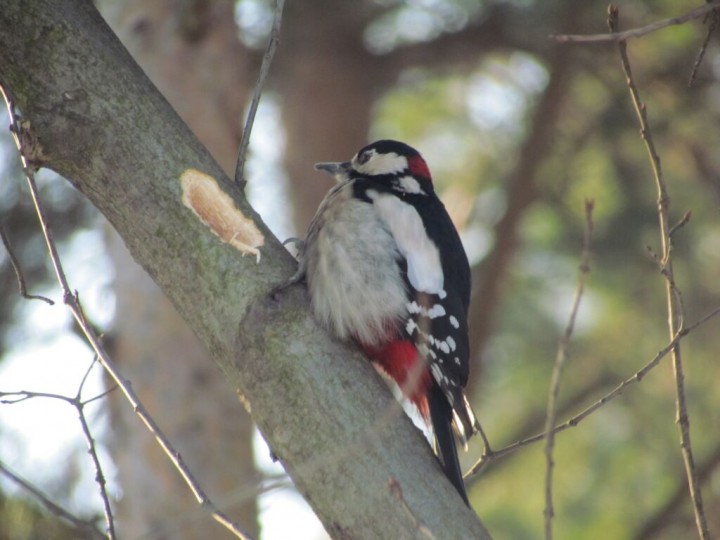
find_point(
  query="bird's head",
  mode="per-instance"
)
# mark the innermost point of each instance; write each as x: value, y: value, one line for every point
x: 386, y: 160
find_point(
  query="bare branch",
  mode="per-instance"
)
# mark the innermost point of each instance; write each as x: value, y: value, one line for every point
x: 663, y: 516
x: 53, y: 508
x: 637, y: 32
x: 99, y: 476
x: 23, y: 395
x: 714, y: 17
x: 257, y: 93
x: 489, y: 457
x: 18, y: 272
x: 560, y: 361
x: 675, y: 309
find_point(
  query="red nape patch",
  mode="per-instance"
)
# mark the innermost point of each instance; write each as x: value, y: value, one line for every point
x: 401, y: 361
x: 418, y: 167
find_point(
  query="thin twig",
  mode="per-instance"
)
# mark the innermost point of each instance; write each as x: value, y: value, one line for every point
x: 714, y: 17
x: 99, y: 476
x: 665, y: 514
x: 637, y: 32
x: 53, y: 508
x: 18, y: 272
x: 560, y: 361
x: 675, y: 309
x: 257, y: 93
x: 489, y: 457
x: 11, y: 398
x: 72, y: 301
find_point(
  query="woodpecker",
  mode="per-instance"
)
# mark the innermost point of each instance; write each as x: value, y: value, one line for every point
x: 385, y: 266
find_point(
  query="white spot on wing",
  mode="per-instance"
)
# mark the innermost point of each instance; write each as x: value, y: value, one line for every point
x: 438, y: 374
x: 454, y: 321
x: 451, y: 342
x: 436, y: 311
x: 410, y: 327
x: 413, y: 307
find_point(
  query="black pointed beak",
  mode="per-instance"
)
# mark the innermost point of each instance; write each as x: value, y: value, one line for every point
x: 334, y: 168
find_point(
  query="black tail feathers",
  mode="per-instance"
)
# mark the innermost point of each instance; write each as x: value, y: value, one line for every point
x: 441, y: 415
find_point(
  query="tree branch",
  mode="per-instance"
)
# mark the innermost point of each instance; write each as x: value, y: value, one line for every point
x: 663, y: 516
x: 560, y: 361
x: 18, y: 271
x: 257, y: 93
x: 675, y: 308
x: 53, y: 508
x: 638, y: 32
x: 490, y: 456
x: 98, y: 121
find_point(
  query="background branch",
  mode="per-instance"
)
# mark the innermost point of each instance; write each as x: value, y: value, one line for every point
x: 273, y: 41
x: 489, y: 457
x: 638, y: 32
x: 663, y: 516
x: 53, y: 508
x: 675, y: 310
x: 559, y: 366
x: 18, y: 271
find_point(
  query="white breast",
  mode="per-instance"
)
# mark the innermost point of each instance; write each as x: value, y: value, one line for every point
x: 352, y: 270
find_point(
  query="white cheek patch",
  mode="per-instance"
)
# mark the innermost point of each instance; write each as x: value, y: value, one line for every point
x: 383, y: 164
x: 423, y: 258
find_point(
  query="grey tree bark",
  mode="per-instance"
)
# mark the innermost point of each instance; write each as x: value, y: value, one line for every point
x: 92, y: 115
x: 196, y: 60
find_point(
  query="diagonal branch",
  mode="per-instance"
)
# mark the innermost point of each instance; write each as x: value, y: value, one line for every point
x: 53, y: 508
x: 663, y: 515
x: 490, y: 456
x: 18, y: 271
x: 257, y: 93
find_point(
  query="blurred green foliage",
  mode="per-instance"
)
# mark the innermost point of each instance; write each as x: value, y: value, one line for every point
x: 616, y: 469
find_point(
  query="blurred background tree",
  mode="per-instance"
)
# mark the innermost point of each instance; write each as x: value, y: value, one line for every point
x: 518, y: 131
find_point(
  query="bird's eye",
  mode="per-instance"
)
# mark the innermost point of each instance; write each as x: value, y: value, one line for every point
x: 363, y: 158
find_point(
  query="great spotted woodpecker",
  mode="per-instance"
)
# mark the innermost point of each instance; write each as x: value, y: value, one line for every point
x: 385, y: 266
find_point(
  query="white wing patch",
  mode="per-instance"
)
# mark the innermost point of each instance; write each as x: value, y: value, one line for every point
x: 423, y: 258
x: 410, y: 185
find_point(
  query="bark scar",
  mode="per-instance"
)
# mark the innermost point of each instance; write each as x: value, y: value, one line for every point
x: 202, y: 194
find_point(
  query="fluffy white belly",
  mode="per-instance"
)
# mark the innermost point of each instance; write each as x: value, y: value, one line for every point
x: 352, y: 270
